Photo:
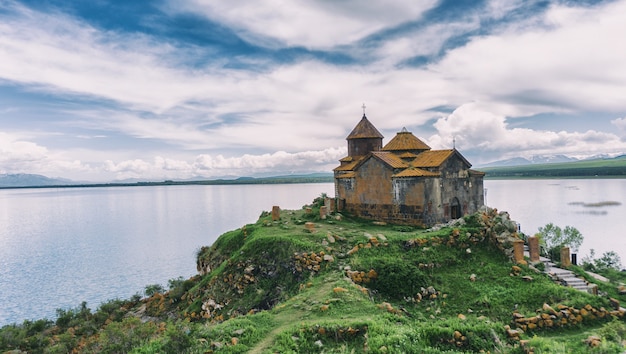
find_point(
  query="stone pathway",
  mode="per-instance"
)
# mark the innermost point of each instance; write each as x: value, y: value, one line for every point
x: 566, y: 277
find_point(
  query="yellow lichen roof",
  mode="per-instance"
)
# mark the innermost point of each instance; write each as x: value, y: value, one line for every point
x: 364, y: 129
x: 476, y: 173
x: 405, y: 140
x: 350, y: 174
x: 346, y: 167
x: 407, y: 155
x: 354, y: 160
x: 432, y: 158
x: 390, y: 159
x: 346, y: 159
x: 416, y: 172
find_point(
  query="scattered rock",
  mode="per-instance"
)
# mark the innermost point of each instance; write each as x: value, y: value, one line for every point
x: 614, y: 303
x: 593, y: 341
x: 548, y: 308
x: 472, y: 277
x: 515, y: 270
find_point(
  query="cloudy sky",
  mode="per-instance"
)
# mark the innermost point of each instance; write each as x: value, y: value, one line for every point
x: 173, y: 89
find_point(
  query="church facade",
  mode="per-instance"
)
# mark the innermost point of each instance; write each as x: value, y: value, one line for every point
x: 404, y: 181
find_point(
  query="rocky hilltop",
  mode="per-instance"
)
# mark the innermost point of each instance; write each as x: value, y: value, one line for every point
x: 300, y: 281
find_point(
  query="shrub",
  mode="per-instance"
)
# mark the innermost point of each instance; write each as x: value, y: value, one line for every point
x: 122, y: 337
x: 154, y: 289
x: 554, y: 237
x: 397, y: 278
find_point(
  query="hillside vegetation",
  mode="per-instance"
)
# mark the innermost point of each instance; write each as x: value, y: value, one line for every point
x: 615, y: 167
x: 302, y: 284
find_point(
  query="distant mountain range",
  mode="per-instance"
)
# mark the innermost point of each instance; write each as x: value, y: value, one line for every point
x: 597, y: 167
x: 23, y: 180
x: 538, y: 159
x: 537, y: 166
x: 31, y: 180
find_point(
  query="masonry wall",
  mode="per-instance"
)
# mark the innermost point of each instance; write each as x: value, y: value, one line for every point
x: 459, y: 185
x: 372, y: 184
x: 362, y: 147
x: 374, y: 194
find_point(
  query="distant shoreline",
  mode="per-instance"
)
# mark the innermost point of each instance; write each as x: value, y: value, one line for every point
x: 238, y: 181
x: 278, y: 180
x: 504, y: 177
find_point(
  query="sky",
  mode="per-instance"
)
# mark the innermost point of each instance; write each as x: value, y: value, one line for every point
x: 108, y: 90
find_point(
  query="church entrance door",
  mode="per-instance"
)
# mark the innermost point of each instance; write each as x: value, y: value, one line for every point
x: 455, y: 209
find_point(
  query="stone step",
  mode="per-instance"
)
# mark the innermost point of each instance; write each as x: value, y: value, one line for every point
x: 561, y: 274
x: 574, y: 281
x: 571, y: 282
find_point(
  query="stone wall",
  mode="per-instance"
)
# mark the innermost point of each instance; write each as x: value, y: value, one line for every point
x: 397, y: 214
x: 374, y: 194
x: 498, y: 226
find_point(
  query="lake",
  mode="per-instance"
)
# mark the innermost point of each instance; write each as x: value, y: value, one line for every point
x: 581, y: 203
x: 59, y: 247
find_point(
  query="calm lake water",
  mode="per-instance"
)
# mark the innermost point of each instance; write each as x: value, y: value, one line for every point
x: 59, y: 247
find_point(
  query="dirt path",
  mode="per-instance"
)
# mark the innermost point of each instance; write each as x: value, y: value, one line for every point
x: 286, y: 319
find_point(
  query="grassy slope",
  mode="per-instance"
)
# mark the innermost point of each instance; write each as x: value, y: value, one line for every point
x: 615, y: 167
x: 386, y: 289
x: 332, y: 313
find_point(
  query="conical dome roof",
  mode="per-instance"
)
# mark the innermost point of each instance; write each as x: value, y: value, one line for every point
x: 405, y: 141
x: 364, y: 130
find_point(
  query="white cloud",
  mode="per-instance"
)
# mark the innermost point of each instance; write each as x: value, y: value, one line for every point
x: 424, y: 42
x: 620, y: 123
x: 54, y: 52
x: 573, y: 62
x: 478, y: 130
x: 215, y: 166
x: 18, y: 155
x: 312, y: 24
x: 570, y: 62
x: 499, y: 8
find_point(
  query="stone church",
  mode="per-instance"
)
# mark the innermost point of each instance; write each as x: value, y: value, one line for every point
x: 405, y: 181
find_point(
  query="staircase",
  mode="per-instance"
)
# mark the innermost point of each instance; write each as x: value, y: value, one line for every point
x: 566, y: 277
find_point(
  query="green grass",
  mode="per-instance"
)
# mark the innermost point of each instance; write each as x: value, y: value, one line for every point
x: 386, y: 289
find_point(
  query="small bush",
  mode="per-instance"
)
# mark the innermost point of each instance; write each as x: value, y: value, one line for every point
x: 154, y: 289
x: 403, y: 228
x: 397, y: 278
